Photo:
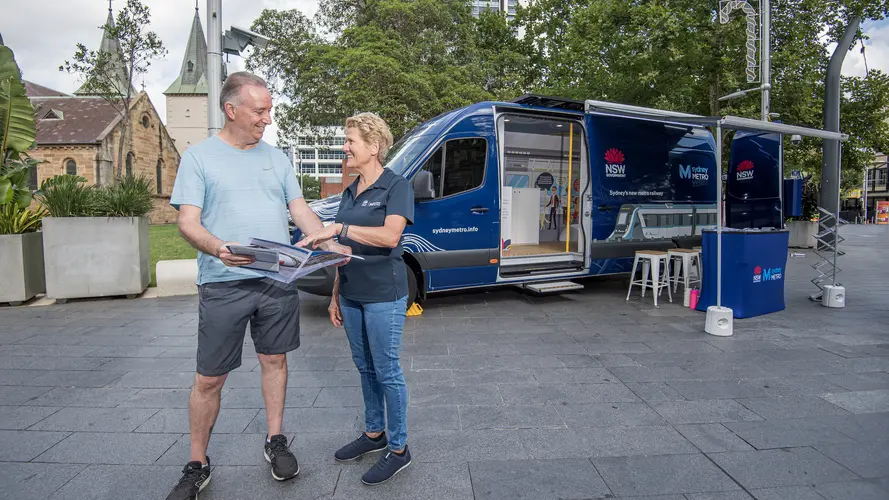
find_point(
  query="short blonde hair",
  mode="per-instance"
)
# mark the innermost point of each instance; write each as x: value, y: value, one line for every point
x: 372, y: 129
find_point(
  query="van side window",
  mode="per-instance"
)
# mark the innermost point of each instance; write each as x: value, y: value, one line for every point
x: 464, y: 165
x: 457, y: 166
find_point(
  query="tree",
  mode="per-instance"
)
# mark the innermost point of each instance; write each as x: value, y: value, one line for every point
x: 311, y: 187
x: 127, y: 51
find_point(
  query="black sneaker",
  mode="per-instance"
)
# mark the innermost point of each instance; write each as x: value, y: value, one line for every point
x: 284, y: 464
x: 360, y: 447
x: 389, y: 465
x: 195, y: 477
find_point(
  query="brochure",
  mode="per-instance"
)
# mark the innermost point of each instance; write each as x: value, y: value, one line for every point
x: 286, y: 263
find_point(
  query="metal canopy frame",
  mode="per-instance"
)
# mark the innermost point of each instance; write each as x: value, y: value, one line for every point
x: 719, y: 123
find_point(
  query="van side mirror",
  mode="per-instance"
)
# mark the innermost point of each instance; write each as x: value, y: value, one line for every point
x: 423, y: 187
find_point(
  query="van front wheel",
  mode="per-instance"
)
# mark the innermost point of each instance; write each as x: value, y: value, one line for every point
x: 412, y: 290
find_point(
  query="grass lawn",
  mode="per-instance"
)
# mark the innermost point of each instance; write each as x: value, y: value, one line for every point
x: 166, y: 244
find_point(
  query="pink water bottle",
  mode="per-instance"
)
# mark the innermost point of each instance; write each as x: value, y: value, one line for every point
x: 693, y: 300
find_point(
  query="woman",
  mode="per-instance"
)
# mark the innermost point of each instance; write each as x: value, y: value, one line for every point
x: 370, y: 295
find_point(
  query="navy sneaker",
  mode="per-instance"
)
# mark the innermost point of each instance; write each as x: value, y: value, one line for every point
x: 360, y: 447
x: 195, y: 477
x: 284, y: 464
x: 390, y: 464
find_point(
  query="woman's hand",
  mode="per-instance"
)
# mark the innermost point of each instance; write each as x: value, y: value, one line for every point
x: 320, y: 236
x: 333, y: 310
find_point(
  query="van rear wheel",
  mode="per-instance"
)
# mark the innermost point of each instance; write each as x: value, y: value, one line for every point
x: 412, y: 289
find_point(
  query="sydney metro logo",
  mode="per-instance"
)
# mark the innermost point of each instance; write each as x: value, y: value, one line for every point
x: 745, y: 171
x: 614, y: 163
x: 768, y: 274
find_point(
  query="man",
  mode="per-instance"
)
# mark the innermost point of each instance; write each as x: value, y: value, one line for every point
x: 230, y: 187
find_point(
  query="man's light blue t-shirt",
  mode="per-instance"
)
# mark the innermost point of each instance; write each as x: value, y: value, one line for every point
x: 242, y: 194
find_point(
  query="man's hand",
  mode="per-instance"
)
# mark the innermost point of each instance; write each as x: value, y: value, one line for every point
x: 336, y: 317
x: 230, y: 259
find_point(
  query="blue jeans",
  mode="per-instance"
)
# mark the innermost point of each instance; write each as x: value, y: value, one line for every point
x: 374, y: 332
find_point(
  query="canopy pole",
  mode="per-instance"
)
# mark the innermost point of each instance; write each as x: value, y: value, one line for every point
x: 718, y: 215
x: 568, y: 190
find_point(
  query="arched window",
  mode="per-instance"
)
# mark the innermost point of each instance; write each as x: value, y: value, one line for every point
x: 70, y: 167
x: 145, y: 121
x: 130, y: 158
x: 190, y: 66
x: 159, y: 175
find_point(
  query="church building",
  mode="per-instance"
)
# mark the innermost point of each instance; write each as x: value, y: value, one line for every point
x: 187, y: 95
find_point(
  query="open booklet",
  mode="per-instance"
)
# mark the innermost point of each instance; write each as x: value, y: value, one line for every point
x: 286, y: 263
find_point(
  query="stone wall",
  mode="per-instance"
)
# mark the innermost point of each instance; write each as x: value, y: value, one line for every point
x: 162, y: 213
x: 187, y: 120
x: 56, y: 158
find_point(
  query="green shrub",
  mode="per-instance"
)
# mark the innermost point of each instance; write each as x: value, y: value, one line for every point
x: 18, y: 220
x: 67, y: 196
x: 131, y: 197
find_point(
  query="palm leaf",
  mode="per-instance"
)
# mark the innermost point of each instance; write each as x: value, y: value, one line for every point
x: 18, y: 129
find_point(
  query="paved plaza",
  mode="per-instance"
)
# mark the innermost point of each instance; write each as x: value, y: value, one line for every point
x: 512, y: 396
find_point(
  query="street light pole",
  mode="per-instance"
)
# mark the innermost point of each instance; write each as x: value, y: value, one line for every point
x: 766, y: 57
x: 214, y: 65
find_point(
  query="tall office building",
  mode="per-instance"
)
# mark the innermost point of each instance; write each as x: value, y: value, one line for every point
x: 507, y: 6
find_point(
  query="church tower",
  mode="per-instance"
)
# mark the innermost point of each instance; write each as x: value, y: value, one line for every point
x: 110, y: 46
x: 187, y: 96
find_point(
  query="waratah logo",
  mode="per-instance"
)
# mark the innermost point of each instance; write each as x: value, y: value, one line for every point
x: 614, y: 163
x: 757, y: 274
x: 745, y: 170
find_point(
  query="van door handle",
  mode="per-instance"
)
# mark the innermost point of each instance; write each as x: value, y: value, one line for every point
x: 478, y: 210
x: 604, y: 208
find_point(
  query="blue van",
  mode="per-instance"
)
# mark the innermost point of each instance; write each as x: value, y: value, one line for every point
x: 541, y: 191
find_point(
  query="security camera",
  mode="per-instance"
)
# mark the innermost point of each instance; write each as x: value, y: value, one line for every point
x: 237, y: 39
x: 796, y: 138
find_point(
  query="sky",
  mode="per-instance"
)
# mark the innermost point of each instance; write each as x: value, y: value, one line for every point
x: 43, y: 36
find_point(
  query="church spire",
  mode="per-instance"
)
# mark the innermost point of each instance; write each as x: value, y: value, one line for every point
x: 110, y: 45
x: 192, y: 76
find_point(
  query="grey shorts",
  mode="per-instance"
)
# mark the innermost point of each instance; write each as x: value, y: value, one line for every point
x: 271, y: 307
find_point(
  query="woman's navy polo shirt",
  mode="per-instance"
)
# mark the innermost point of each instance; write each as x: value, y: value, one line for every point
x: 381, y: 276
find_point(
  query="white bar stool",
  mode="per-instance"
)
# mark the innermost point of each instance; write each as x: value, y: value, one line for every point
x: 653, y: 261
x: 684, y: 259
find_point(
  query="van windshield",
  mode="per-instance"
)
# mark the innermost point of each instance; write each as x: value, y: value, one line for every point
x: 402, y: 154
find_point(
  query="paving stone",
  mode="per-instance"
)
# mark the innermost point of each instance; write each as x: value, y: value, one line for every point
x: 861, y: 401
x: 142, y: 365
x: 466, y: 446
x: 434, y: 395
x: 22, y: 417
x: 431, y: 418
x: 24, y: 446
x: 247, y: 482
x: 787, y: 493
x: 338, y: 397
x: 859, y: 490
x: 704, y: 411
x: 537, y: 480
x: 614, y: 360
x: 299, y: 397
x: 429, y: 481
x: 230, y: 420
x: 865, y: 427
x: 509, y: 417
x: 95, y: 419
x: 58, y: 363
x: 628, y: 374
x: 723, y: 495
x: 493, y: 376
x: 519, y: 394
x: 609, y: 415
x: 652, y: 392
x: 782, y: 467
x: 604, y: 442
x: 224, y: 449
x: 662, y: 474
x: 784, y: 407
x: 30, y: 481
x: 861, y: 381
x: 104, y: 482
x: 713, y: 438
x: 83, y: 397
x: 109, y: 448
x: 311, y: 420
x: 868, y: 459
x: 786, y: 433
x: 159, y: 398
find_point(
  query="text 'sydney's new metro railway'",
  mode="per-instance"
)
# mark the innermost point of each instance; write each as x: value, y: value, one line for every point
x: 541, y: 190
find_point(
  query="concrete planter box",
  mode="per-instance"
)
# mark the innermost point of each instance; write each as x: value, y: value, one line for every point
x: 95, y: 256
x: 802, y: 233
x: 21, y: 267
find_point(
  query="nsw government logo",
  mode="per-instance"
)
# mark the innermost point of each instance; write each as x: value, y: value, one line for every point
x: 745, y: 171
x: 614, y: 163
x: 767, y: 274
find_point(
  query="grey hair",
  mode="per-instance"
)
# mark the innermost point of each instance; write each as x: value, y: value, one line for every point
x: 231, y: 89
